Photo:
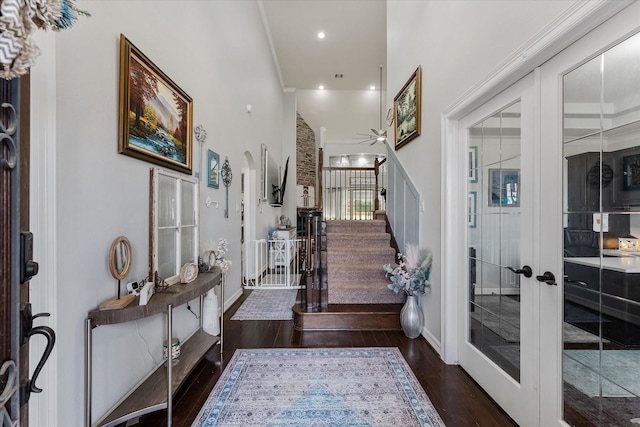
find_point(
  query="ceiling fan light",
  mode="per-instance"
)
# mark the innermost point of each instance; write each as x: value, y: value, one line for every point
x: 381, y: 138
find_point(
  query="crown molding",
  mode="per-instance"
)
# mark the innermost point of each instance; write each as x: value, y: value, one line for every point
x: 576, y: 21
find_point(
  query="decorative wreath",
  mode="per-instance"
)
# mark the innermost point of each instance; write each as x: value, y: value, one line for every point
x: 593, y: 176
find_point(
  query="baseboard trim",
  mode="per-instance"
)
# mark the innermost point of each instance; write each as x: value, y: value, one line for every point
x: 235, y: 297
x: 434, y: 342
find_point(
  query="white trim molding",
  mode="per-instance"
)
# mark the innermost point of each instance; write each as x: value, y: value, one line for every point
x: 43, y: 407
x: 267, y: 31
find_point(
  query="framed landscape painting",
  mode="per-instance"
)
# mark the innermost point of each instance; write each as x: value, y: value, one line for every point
x: 155, y: 114
x: 407, y: 107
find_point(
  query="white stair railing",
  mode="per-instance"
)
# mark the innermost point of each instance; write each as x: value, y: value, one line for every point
x: 273, y: 264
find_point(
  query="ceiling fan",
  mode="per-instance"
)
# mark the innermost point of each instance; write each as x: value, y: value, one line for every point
x: 376, y: 135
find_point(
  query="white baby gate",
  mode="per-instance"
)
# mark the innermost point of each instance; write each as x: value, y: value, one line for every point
x: 273, y: 264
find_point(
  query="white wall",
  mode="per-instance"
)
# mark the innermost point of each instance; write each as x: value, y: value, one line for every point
x: 457, y: 44
x: 333, y: 148
x: 217, y: 52
x: 343, y: 113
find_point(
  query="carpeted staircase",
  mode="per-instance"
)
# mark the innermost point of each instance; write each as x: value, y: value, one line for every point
x: 356, y: 252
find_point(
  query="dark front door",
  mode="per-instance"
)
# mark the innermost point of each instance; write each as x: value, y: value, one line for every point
x: 16, y: 266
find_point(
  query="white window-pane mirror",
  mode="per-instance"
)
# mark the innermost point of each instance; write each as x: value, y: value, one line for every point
x: 174, y: 223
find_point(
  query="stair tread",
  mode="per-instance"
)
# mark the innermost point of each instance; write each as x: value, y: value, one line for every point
x: 363, y: 285
x: 379, y: 261
x: 351, y: 268
x: 363, y: 249
x: 367, y: 233
x: 361, y: 257
x: 352, y: 221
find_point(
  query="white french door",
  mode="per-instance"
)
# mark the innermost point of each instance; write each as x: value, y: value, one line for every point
x: 498, y: 345
x: 590, y: 144
x: 553, y: 183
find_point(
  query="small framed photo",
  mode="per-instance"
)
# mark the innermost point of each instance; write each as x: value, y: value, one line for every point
x: 472, y: 209
x: 504, y: 187
x: 473, y: 164
x: 213, y: 168
x: 155, y: 114
x: 407, y: 107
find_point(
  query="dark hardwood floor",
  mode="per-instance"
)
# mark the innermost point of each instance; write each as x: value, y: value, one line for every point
x: 457, y: 398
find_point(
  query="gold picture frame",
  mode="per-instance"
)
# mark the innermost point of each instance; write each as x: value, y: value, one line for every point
x: 155, y: 114
x: 407, y: 107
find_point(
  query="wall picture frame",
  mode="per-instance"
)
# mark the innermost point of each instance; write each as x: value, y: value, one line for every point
x: 155, y: 117
x: 504, y: 188
x: 472, y: 209
x: 473, y: 165
x: 213, y: 169
x: 630, y: 172
x: 407, y: 110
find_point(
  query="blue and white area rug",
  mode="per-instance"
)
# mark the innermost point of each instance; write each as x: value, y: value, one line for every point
x: 318, y: 387
x: 267, y: 304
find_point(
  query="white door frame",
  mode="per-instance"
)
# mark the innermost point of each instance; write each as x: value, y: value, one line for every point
x: 577, y: 21
x: 43, y: 408
x: 250, y: 196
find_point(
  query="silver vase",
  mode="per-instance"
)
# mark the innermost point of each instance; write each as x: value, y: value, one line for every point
x: 411, y: 317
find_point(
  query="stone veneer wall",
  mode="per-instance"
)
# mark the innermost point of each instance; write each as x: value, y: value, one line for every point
x: 305, y: 154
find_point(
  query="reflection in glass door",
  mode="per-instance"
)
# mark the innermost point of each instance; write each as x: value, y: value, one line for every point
x: 494, y: 238
x: 601, y: 227
x: 497, y: 345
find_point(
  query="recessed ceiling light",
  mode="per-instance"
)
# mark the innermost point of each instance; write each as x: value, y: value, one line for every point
x: 372, y: 88
x: 321, y: 35
x: 321, y: 87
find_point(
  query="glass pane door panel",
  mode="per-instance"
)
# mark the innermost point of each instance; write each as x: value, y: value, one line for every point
x: 621, y: 84
x: 582, y: 100
x: 601, y: 327
x: 188, y: 203
x: 494, y: 238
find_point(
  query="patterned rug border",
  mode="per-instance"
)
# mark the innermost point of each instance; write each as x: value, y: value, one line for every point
x: 420, y: 403
x: 260, y: 305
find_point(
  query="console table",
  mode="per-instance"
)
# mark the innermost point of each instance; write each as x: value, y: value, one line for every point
x: 155, y: 393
